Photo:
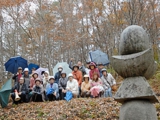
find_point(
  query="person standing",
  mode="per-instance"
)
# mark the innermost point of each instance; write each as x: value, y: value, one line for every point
x: 100, y: 67
x: 93, y: 69
x: 58, y: 74
x: 108, y: 81
x: 17, y: 76
x: 87, y: 68
x: 22, y: 90
x: 26, y: 77
x: 46, y: 79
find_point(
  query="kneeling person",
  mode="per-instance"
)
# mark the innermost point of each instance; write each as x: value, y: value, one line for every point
x: 22, y: 90
x: 85, y: 87
x: 52, y: 89
x: 38, y: 91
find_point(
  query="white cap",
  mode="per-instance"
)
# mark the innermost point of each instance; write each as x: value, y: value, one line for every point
x: 47, y: 72
x: 60, y: 66
x: 70, y: 75
x: 86, y: 76
x: 26, y: 70
x: 51, y: 77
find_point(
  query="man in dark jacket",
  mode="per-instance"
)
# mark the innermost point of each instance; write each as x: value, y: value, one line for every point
x: 58, y: 74
x: 22, y: 90
x: 17, y: 76
x: 27, y: 77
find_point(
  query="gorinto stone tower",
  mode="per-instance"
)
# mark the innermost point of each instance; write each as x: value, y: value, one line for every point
x: 135, y: 64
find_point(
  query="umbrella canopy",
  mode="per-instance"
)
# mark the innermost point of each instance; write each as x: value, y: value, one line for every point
x: 65, y: 67
x: 40, y: 72
x: 32, y: 65
x: 99, y: 57
x: 5, y: 92
x: 14, y: 62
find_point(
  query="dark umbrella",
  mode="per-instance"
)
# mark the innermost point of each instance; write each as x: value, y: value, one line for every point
x: 14, y: 62
x: 32, y: 65
x: 5, y: 92
x: 99, y: 57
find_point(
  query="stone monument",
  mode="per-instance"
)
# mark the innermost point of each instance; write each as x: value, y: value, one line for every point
x: 135, y: 64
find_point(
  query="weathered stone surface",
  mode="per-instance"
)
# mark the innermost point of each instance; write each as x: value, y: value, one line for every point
x: 135, y: 88
x: 138, y: 110
x: 138, y: 64
x: 133, y: 39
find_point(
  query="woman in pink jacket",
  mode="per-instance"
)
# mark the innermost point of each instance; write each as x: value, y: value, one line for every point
x: 93, y: 69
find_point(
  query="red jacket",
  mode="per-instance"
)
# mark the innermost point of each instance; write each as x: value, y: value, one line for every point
x: 95, y: 70
x: 78, y: 76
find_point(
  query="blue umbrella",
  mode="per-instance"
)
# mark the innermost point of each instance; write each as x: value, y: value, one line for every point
x: 99, y: 57
x: 14, y: 62
x: 32, y: 65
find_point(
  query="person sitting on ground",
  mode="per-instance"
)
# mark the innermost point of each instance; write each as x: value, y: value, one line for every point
x: 58, y: 74
x: 96, y: 86
x: 108, y: 81
x: 85, y: 87
x: 38, y: 91
x: 72, y: 85
x: 26, y: 77
x: 62, y: 85
x: 22, y: 90
x: 93, y: 69
x: 17, y: 76
x: 52, y: 89
x: 46, y: 79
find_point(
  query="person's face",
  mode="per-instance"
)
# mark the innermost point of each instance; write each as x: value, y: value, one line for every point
x: 51, y: 81
x: 70, y: 78
x: 86, y: 79
x: 104, y: 73
x: 60, y: 69
x: 100, y: 66
x: 26, y: 72
x: 37, y: 83
x: 92, y: 67
x: 45, y: 74
x: 95, y: 77
x: 63, y: 75
x: 21, y: 81
x: 75, y: 68
x: 79, y: 64
x: 35, y: 75
x: 33, y: 70
x: 20, y: 70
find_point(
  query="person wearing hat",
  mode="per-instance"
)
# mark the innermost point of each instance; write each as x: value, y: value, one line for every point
x: 85, y: 87
x: 32, y: 80
x: 52, y: 89
x: 58, y: 74
x: 38, y: 91
x: 17, y: 76
x: 22, y: 90
x: 72, y: 85
x: 46, y: 79
x: 62, y: 85
x: 93, y: 69
x: 100, y: 67
x: 108, y: 81
x: 26, y: 76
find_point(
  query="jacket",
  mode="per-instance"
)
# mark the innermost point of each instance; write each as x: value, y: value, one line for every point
x: 108, y: 81
x: 54, y: 87
x: 73, y: 86
x: 24, y: 88
x: 78, y: 76
x: 95, y: 70
x: 16, y: 78
x: 85, y: 86
x: 57, y: 77
x: 39, y: 89
x: 27, y: 80
x: 32, y: 83
x: 62, y: 83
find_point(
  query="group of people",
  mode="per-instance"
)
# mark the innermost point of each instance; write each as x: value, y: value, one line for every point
x: 92, y: 81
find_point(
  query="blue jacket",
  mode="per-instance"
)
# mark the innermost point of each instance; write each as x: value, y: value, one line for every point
x: 100, y: 72
x: 57, y: 77
x: 54, y: 87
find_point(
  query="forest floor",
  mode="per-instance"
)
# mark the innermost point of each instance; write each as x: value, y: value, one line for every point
x: 76, y: 109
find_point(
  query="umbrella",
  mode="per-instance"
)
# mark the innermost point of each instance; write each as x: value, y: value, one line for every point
x: 32, y: 65
x: 14, y: 62
x: 40, y: 71
x: 65, y: 67
x: 99, y: 57
x: 5, y: 92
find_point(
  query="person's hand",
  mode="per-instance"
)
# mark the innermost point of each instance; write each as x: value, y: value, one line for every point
x: 17, y: 73
x: 54, y: 93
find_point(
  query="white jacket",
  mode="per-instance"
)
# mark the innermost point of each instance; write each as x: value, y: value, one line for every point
x: 73, y: 86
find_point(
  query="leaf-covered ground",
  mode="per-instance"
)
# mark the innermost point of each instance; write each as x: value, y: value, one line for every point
x: 76, y: 109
